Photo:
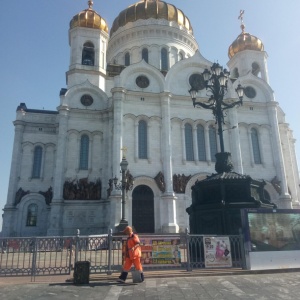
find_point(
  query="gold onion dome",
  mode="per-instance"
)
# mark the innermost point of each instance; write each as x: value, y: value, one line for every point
x: 147, y: 9
x: 89, y: 18
x: 245, y: 41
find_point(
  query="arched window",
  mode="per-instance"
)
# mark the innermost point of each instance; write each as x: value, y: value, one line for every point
x: 127, y: 59
x: 255, y: 146
x: 189, y: 148
x: 88, y: 54
x: 37, y: 162
x: 212, y: 142
x: 235, y: 73
x: 256, y: 69
x: 201, y: 143
x: 164, y: 60
x: 180, y: 56
x: 84, y: 152
x: 32, y: 211
x: 142, y: 135
x: 145, y: 55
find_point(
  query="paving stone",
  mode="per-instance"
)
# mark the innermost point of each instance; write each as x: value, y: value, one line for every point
x: 281, y: 286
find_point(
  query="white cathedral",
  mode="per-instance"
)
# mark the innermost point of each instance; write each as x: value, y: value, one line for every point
x: 129, y: 87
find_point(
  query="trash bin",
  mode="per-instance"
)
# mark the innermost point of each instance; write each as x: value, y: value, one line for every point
x: 136, y: 276
x: 82, y: 272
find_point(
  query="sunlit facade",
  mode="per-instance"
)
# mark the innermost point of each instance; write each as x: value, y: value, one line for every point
x: 129, y: 87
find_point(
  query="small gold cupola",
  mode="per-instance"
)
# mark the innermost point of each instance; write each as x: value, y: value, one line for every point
x: 245, y: 41
x: 89, y: 18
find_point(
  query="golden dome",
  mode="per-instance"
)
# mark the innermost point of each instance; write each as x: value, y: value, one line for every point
x: 89, y: 18
x: 147, y: 9
x: 245, y: 41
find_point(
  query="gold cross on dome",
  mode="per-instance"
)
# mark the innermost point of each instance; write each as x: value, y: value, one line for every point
x: 241, y: 16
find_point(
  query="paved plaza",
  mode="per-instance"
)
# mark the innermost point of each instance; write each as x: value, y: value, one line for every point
x: 284, y: 285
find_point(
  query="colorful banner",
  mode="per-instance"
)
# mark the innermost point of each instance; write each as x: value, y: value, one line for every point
x: 159, y: 251
x: 217, y: 252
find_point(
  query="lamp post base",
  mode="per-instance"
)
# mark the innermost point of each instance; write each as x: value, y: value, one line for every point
x: 122, y: 225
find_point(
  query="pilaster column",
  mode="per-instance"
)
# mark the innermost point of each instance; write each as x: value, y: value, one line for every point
x: 78, y: 142
x: 59, y: 175
x: 235, y: 141
x: 250, y: 147
x: 149, y: 142
x: 42, y: 174
x: 30, y: 161
x: 136, y: 137
x: 15, y: 163
x: 195, y: 145
x: 166, y: 144
x: 154, y: 57
x: 262, y: 150
x: 90, y: 165
x: 207, y: 144
x: 285, y: 197
x: 168, y: 205
x: 56, y: 214
x: 118, y: 143
x: 118, y: 95
x: 183, y: 144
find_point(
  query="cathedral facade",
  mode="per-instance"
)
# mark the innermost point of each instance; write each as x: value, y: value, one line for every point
x: 128, y: 88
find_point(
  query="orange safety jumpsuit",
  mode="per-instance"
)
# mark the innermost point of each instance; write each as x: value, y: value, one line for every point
x: 133, y: 254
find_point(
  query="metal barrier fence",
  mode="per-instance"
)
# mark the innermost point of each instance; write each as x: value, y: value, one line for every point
x: 38, y: 256
x: 196, y: 251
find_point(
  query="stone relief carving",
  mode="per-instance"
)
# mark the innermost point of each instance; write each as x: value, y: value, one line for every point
x: 160, y: 181
x: 276, y: 184
x: 129, y: 181
x: 48, y: 195
x: 180, y: 182
x: 82, y: 189
x: 20, y: 194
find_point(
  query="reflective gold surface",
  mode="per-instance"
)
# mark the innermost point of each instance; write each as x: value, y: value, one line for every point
x: 89, y: 18
x: 143, y: 10
x: 245, y: 41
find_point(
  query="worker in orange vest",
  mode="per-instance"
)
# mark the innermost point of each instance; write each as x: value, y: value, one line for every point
x: 132, y: 255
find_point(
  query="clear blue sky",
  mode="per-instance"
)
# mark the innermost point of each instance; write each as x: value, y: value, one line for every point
x: 34, y: 52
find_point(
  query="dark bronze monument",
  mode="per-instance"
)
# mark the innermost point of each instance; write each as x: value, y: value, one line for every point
x: 218, y: 199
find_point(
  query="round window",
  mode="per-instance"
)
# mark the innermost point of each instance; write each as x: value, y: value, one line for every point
x: 197, y: 81
x: 142, y: 81
x: 86, y: 100
x: 250, y: 92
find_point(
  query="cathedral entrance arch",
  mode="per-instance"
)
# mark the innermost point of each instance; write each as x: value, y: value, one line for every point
x: 143, y: 209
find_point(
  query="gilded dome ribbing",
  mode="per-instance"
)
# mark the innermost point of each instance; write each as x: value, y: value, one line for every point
x: 90, y: 19
x: 245, y: 41
x: 148, y: 9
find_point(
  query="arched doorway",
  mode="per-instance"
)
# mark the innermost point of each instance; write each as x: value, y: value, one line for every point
x: 143, y: 209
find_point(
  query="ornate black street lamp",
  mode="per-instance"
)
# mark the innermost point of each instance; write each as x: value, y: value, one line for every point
x: 221, y: 196
x: 125, y: 185
x: 215, y: 83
